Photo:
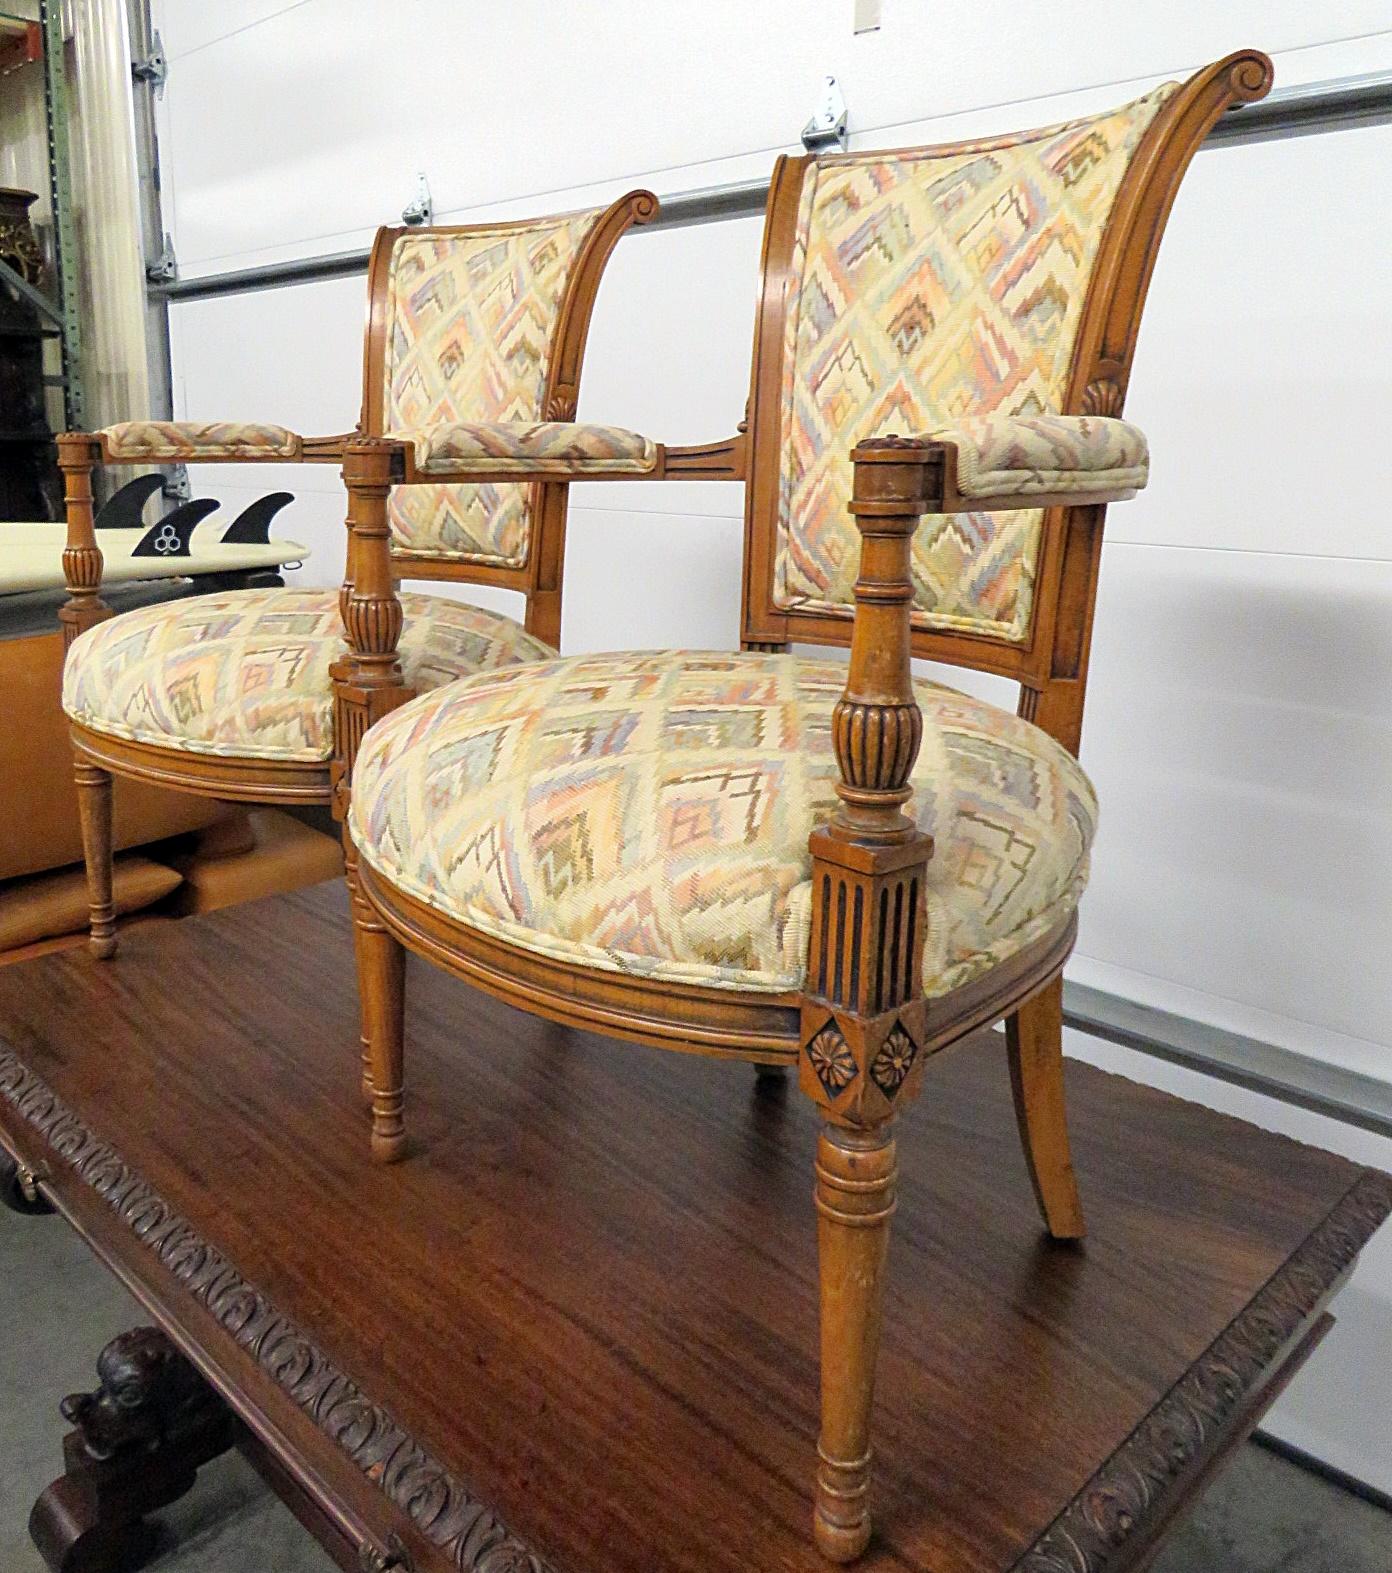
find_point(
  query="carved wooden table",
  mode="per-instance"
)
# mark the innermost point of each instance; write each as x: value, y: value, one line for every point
x: 578, y: 1329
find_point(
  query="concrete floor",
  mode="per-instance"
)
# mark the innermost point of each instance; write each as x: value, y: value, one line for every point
x: 58, y: 1307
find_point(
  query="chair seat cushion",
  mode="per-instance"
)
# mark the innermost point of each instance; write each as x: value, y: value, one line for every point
x: 245, y: 674
x: 648, y: 813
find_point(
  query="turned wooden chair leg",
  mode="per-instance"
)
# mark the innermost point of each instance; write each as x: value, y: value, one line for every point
x: 94, y: 810
x: 364, y: 1029
x: 350, y: 874
x: 384, y: 979
x: 1034, y: 1035
x: 855, y: 1197
x: 382, y: 991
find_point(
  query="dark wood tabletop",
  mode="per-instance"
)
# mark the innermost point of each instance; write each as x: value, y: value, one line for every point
x: 577, y: 1328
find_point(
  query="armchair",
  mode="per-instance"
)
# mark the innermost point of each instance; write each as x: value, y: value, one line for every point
x: 789, y: 861
x: 230, y: 695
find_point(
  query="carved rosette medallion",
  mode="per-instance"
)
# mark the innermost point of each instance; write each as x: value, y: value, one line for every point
x: 830, y: 1057
x: 890, y: 1068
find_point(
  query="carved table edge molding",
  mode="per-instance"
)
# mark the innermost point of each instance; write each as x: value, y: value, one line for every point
x: 439, y: 1506
x: 1090, y: 1535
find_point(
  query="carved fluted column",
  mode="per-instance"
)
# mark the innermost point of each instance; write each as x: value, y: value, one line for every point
x: 367, y: 680
x: 78, y: 455
x: 863, y: 1012
x: 368, y: 684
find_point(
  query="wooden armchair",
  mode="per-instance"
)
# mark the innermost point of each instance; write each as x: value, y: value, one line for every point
x: 795, y: 862
x: 229, y: 695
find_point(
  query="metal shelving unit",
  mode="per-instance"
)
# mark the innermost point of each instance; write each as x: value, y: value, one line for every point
x: 62, y: 311
x: 60, y: 196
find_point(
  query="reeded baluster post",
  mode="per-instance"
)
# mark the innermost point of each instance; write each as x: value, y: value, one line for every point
x: 78, y: 456
x: 367, y: 679
x: 863, y: 1012
x: 368, y: 684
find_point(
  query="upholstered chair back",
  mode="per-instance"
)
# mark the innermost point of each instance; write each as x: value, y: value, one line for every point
x: 468, y: 324
x: 924, y: 287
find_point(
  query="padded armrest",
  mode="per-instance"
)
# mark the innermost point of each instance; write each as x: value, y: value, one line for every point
x: 457, y: 450
x: 137, y: 442
x: 1066, y: 457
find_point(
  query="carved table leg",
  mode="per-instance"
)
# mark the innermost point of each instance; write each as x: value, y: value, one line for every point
x: 138, y: 1443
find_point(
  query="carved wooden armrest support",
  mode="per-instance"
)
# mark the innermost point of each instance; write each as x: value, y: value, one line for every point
x: 156, y: 442
x: 708, y: 461
x: 78, y: 455
x: 367, y: 681
x: 863, y: 1015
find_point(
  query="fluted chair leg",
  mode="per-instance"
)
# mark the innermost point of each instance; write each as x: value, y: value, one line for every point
x: 355, y: 898
x: 382, y: 993
x: 855, y: 1197
x: 94, y: 811
x: 384, y: 976
x: 1034, y: 1035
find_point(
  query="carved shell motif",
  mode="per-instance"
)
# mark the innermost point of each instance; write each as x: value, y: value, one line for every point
x: 1103, y: 397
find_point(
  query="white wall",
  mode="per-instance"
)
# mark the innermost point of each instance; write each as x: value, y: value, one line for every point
x: 1240, y: 721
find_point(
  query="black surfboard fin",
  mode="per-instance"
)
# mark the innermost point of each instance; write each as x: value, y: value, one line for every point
x: 252, y: 526
x: 124, y: 508
x: 172, y: 535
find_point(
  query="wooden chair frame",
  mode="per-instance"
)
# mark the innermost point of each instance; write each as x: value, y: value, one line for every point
x: 361, y: 695
x: 868, y: 862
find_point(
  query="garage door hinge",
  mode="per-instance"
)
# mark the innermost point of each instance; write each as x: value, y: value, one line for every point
x: 165, y: 267
x: 154, y: 68
x: 827, y: 128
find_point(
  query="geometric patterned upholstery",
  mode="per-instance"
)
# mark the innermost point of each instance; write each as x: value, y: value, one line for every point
x: 245, y: 674
x: 132, y: 441
x: 927, y: 288
x: 1007, y: 456
x: 536, y: 447
x: 470, y: 323
x: 648, y: 813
